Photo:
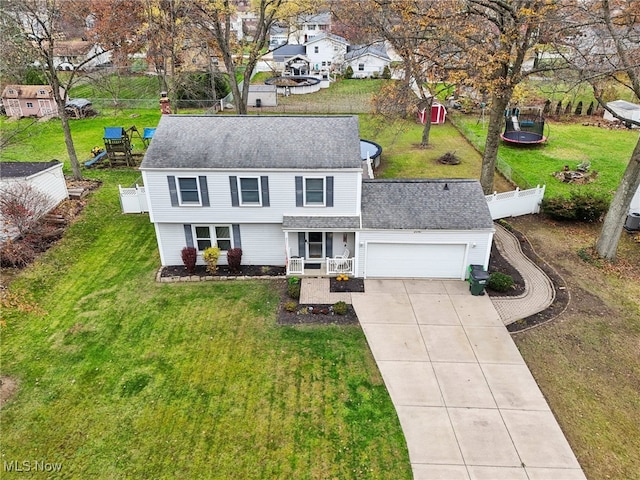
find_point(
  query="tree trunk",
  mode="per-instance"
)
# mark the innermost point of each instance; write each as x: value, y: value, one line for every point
x: 498, y: 105
x: 607, y: 244
x: 71, y: 150
x: 426, y: 131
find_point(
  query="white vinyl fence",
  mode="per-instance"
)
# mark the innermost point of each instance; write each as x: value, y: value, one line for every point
x: 133, y: 200
x: 515, y: 203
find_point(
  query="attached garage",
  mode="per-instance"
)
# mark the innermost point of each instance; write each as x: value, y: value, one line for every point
x: 415, y: 260
x: 423, y: 228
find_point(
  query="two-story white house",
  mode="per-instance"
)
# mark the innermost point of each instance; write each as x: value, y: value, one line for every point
x: 292, y: 191
x: 326, y: 52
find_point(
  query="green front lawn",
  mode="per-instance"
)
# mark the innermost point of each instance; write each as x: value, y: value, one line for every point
x: 124, y: 377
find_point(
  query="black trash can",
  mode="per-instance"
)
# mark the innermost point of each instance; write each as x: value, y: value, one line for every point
x: 478, y: 278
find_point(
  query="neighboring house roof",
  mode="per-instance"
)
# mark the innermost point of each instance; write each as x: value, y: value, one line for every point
x: 424, y: 204
x: 287, y: 51
x: 252, y: 141
x: 27, y: 91
x: 361, y: 50
x: 300, y: 222
x: 316, y: 18
x: 24, y: 169
x: 327, y: 36
x: 72, y: 47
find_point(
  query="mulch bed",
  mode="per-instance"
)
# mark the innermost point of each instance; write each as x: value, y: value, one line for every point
x: 223, y: 271
x: 315, y: 315
x: 351, y: 285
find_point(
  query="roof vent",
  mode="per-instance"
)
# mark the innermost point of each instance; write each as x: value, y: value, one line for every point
x: 446, y: 187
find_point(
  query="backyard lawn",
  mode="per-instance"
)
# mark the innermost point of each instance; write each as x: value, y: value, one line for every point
x: 122, y: 377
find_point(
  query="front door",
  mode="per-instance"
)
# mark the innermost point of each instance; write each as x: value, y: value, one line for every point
x: 315, y: 245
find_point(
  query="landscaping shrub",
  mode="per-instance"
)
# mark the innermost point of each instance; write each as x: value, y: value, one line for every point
x: 386, y: 72
x: 293, y: 288
x: 234, y: 259
x: 340, y: 308
x: 290, y: 306
x: 348, y: 73
x: 211, y: 256
x: 189, y: 257
x: 500, y: 282
x: 578, y: 207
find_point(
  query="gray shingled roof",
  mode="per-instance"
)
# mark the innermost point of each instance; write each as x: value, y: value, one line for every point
x: 24, y: 169
x: 254, y: 141
x: 424, y: 205
x: 300, y: 222
x: 361, y: 50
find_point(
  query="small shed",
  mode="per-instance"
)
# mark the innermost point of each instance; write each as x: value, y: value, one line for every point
x: 262, y: 96
x: 628, y: 110
x: 29, y: 100
x: 438, y: 114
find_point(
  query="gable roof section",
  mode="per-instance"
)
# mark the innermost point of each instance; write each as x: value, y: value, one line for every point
x: 362, y: 50
x: 424, y: 204
x: 24, y: 169
x: 254, y: 141
x: 328, y: 36
x: 27, y: 91
x: 284, y: 52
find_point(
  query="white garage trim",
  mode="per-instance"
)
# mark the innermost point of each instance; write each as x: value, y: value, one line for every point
x: 415, y: 259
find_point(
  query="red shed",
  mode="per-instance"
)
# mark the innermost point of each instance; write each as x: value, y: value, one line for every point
x: 438, y: 114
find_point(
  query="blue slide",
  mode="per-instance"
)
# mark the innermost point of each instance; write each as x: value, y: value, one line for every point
x: 95, y: 159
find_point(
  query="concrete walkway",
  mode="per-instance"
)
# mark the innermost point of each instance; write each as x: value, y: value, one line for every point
x: 467, y: 403
x: 539, y: 291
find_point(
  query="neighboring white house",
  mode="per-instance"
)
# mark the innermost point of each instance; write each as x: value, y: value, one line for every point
x: 326, y: 52
x: 367, y: 61
x: 45, y: 177
x: 292, y: 191
x: 627, y: 110
x: 79, y: 54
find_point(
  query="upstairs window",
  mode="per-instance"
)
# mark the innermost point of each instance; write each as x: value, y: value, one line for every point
x: 314, y: 191
x: 361, y: 67
x: 250, y: 191
x: 316, y: 49
x: 189, y: 192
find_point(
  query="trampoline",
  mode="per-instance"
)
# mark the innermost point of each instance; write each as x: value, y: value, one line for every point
x: 523, y: 127
x: 372, y: 150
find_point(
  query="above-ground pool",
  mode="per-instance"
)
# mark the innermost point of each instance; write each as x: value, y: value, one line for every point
x: 294, y: 85
x: 372, y: 150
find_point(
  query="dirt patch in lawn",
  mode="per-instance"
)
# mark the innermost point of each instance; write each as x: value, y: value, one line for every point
x: 8, y: 388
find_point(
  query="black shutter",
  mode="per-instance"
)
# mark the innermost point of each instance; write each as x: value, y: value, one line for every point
x: 204, y: 191
x: 299, y: 200
x: 233, y: 184
x: 301, y: 241
x: 329, y: 242
x: 329, y: 191
x: 188, y: 235
x: 173, y: 192
x: 236, y: 236
x: 264, y: 181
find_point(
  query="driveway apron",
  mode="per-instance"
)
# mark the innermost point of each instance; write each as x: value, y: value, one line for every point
x: 467, y: 403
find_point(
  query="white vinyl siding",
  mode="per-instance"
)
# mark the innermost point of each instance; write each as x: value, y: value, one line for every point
x: 261, y: 244
x: 282, y: 197
x: 51, y: 182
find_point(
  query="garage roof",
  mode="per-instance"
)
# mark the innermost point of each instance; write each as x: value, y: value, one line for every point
x: 424, y: 204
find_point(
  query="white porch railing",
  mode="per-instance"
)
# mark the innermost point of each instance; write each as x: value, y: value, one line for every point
x: 340, y: 265
x: 516, y: 202
x: 295, y: 266
x: 133, y: 200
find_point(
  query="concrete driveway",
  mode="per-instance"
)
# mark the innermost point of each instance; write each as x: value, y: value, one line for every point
x: 467, y: 403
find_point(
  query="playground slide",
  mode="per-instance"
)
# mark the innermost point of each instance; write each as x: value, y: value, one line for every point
x: 95, y: 159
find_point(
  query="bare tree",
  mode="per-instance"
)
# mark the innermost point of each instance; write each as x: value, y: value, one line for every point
x: 603, y: 45
x: 242, y: 49
x: 22, y: 206
x: 40, y: 25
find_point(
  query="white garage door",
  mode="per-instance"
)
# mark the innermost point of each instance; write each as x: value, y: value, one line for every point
x: 414, y: 260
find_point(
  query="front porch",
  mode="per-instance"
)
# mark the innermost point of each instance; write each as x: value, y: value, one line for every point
x: 297, y: 266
